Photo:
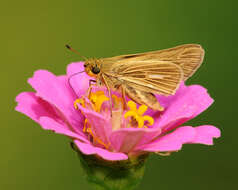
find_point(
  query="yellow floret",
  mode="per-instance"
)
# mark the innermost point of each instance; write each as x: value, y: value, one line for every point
x: 137, y: 114
x: 97, y: 99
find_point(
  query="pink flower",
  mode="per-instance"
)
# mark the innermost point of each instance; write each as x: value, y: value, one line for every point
x: 55, y: 106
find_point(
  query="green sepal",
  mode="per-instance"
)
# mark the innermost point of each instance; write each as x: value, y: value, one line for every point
x: 112, y: 175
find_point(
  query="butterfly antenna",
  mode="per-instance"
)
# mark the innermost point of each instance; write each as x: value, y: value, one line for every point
x: 69, y: 81
x: 73, y: 50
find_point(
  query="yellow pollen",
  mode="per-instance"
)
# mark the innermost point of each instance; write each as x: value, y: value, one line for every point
x: 97, y: 99
x: 85, y: 125
x: 137, y: 114
x: 79, y: 101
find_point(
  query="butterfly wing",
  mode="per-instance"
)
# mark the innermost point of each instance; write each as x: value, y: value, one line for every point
x: 158, y: 77
x: 141, y: 79
x: 188, y: 57
x: 158, y: 72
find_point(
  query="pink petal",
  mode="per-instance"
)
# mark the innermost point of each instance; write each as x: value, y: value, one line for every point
x: 57, y: 92
x: 187, y: 103
x: 89, y: 149
x: 44, y: 114
x: 34, y: 107
x: 127, y: 139
x: 50, y: 124
x: 205, y: 134
x: 100, y: 125
x: 172, y: 141
x: 79, y: 82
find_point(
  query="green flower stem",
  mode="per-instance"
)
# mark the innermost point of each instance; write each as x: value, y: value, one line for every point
x: 112, y: 175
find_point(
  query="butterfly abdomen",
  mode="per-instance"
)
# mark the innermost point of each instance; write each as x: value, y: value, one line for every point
x: 142, y: 97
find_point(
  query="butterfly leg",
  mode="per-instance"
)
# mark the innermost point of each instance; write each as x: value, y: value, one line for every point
x: 109, y: 93
x: 91, y: 84
x: 123, y: 92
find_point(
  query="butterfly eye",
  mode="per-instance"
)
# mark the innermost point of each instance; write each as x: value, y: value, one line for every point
x: 95, y: 70
x: 85, y: 65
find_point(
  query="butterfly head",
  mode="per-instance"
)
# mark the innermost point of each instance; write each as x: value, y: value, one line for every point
x: 92, y: 67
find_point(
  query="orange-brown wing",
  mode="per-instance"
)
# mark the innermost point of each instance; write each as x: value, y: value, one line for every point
x: 189, y: 57
x: 158, y: 77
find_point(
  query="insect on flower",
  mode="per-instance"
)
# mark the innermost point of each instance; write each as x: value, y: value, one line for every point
x: 140, y: 76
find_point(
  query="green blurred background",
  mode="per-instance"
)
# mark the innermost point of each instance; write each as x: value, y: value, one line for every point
x: 33, y: 35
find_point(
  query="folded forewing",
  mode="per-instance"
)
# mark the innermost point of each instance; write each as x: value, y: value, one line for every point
x: 151, y: 76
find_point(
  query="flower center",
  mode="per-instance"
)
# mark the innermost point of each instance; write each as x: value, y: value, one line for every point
x: 96, y: 99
